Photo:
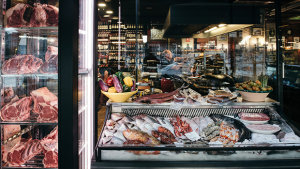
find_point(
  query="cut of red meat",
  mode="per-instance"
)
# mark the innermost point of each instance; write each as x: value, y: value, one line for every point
x: 50, y: 146
x: 23, y: 15
x: 7, y: 132
x: 43, y: 95
x: 38, y: 17
x: 52, y: 15
x: 14, y: 16
x: 23, y: 151
x: 17, y: 111
x: 22, y: 64
x: 50, y: 142
x: 51, y: 50
x: 50, y: 159
x: 50, y: 66
x: 254, y: 116
x: 47, y: 113
x: 7, y: 94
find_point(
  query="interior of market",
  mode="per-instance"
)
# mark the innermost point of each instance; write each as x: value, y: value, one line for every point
x: 187, y: 56
x: 213, y: 55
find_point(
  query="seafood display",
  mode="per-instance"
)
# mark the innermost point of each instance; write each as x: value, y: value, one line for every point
x: 214, y: 129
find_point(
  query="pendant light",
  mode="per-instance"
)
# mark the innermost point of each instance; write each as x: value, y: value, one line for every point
x: 102, y: 4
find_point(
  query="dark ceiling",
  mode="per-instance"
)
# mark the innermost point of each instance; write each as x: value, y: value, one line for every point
x: 154, y: 12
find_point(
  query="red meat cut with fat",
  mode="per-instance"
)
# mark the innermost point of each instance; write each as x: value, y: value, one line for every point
x: 47, y: 113
x: 51, y: 60
x: 23, y: 151
x: 7, y: 132
x: 24, y: 15
x: 50, y: 146
x: 18, y: 110
x: 52, y: 15
x: 50, y: 159
x: 22, y: 64
x: 15, y: 17
x: 7, y: 94
x: 45, y: 104
x: 51, y: 50
x: 38, y: 17
x: 50, y: 142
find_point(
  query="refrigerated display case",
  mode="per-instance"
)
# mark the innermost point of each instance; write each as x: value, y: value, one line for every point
x: 86, y: 78
x: 47, y: 74
x: 29, y: 85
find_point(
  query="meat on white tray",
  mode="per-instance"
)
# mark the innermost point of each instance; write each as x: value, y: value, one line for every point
x: 263, y: 128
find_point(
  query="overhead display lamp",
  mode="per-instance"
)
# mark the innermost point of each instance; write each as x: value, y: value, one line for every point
x: 102, y: 4
x: 221, y: 25
x: 115, y: 18
x: 211, y: 29
x: 109, y: 11
x: 106, y: 16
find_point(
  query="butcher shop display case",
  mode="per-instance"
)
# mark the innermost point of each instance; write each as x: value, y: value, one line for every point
x: 29, y: 84
x: 34, y: 49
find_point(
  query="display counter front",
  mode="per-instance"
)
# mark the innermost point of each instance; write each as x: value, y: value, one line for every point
x: 195, y: 135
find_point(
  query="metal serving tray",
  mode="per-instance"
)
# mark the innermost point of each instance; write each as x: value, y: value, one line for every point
x: 197, y: 151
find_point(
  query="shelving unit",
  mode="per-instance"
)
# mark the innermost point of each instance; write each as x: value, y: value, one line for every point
x: 24, y: 41
x: 108, y: 46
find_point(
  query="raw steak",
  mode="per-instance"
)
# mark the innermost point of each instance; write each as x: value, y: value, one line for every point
x: 52, y: 15
x: 50, y: 159
x: 47, y: 113
x: 22, y: 64
x: 24, y: 151
x: 38, y: 17
x: 7, y: 132
x: 50, y: 145
x: 51, y: 50
x: 23, y: 15
x: 18, y: 16
x: 263, y: 127
x: 254, y: 116
x: 50, y: 66
x: 7, y: 94
x: 17, y: 111
x: 43, y: 95
x: 50, y: 142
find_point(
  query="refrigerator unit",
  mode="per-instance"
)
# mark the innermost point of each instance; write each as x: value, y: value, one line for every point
x: 47, y: 79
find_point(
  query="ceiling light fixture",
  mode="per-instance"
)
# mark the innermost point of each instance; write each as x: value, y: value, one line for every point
x: 109, y: 12
x: 221, y: 25
x: 106, y: 16
x: 102, y: 4
x: 211, y: 29
x: 115, y: 18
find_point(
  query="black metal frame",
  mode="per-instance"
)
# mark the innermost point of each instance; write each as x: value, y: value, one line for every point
x: 68, y: 84
x: 289, y: 163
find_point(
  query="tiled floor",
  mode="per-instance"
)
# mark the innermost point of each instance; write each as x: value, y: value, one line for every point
x: 101, y: 118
